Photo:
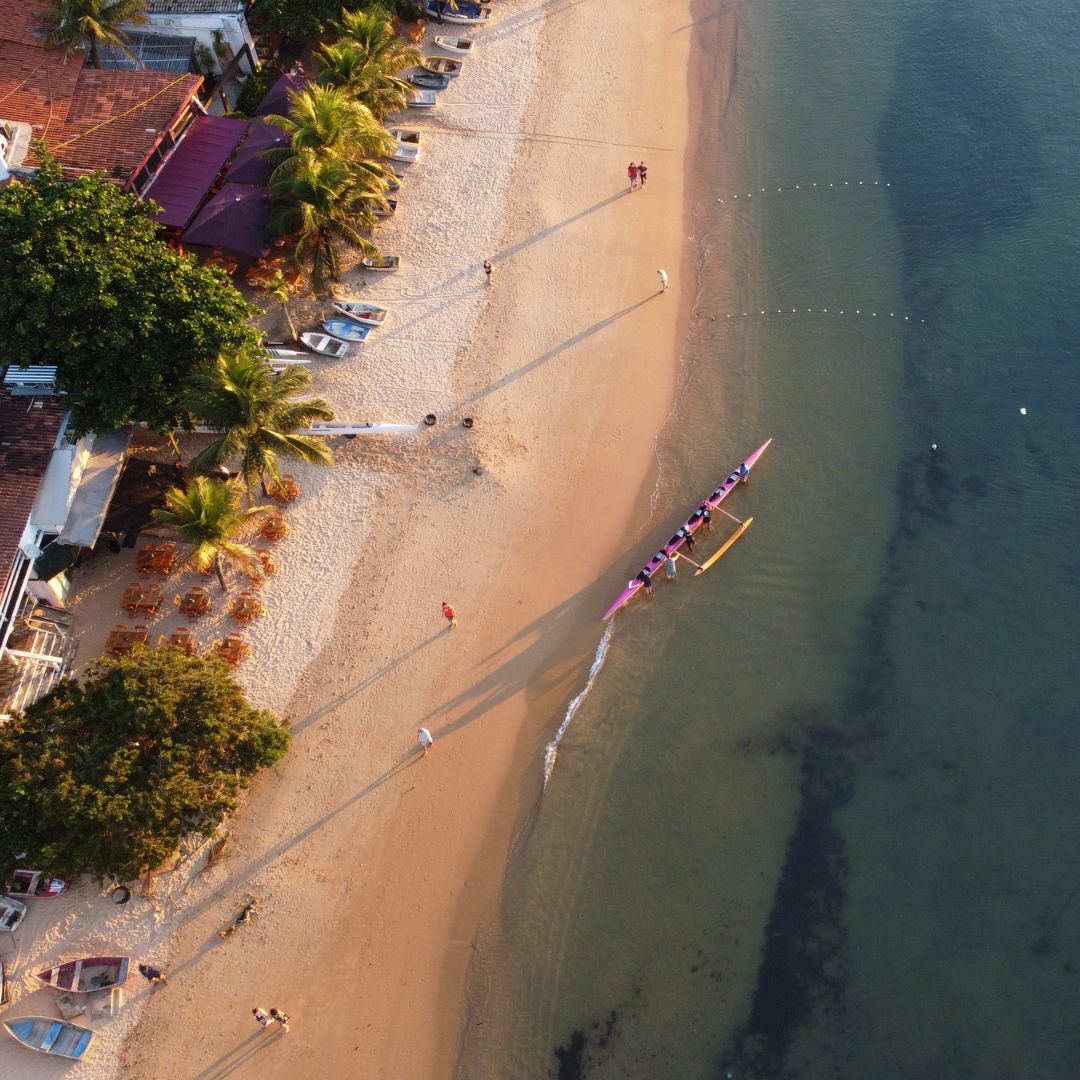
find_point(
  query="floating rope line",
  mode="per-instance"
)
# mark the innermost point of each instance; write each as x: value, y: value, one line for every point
x: 823, y: 311
x: 807, y: 187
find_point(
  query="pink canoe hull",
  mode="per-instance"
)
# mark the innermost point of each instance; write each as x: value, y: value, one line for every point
x: 691, y: 524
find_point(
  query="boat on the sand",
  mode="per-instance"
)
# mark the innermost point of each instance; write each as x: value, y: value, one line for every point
x: 346, y: 330
x: 465, y: 13
x: 385, y: 263
x: 361, y: 311
x: 423, y: 99
x: 460, y: 46
x: 325, y: 345
x: 87, y: 974
x: 442, y: 65
x: 49, y: 1036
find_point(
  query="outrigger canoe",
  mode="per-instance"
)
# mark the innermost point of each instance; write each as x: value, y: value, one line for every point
x: 740, y: 473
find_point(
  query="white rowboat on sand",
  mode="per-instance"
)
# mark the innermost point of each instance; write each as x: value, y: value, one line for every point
x: 386, y: 263
x: 325, y: 345
x: 460, y: 46
x: 362, y: 312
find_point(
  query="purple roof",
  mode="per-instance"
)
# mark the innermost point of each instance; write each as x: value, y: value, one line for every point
x: 234, y: 219
x: 276, y: 102
x: 248, y: 166
x: 194, y: 165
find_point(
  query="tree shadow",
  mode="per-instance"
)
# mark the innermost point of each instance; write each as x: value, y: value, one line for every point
x: 581, y: 335
x: 371, y: 679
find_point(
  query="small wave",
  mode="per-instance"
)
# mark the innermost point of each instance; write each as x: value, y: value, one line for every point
x: 551, y: 751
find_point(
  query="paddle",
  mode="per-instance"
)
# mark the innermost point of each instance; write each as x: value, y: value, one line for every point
x: 680, y: 555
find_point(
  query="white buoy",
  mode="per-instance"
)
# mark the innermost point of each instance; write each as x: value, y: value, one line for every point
x: 1023, y: 411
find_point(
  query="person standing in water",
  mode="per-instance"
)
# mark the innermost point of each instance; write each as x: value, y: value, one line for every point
x: 670, y: 567
x: 646, y: 579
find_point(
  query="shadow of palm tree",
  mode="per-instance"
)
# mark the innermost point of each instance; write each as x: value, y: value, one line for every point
x: 581, y: 335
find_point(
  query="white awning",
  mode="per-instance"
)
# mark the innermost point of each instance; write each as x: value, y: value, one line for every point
x: 99, y: 480
x: 51, y: 505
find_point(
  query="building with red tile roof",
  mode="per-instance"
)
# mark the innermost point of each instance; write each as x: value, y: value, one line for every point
x: 123, y: 123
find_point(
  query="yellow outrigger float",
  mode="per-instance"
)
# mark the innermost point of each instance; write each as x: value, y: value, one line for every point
x: 743, y: 526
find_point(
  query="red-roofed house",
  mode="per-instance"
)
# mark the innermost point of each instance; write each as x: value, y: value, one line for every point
x: 123, y: 123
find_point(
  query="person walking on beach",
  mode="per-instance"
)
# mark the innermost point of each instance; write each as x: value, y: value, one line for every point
x: 642, y: 173
x: 632, y: 172
x: 152, y: 975
x: 662, y: 275
x: 487, y: 270
x: 423, y: 737
x: 280, y: 1018
x: 449, y: 614
x: 261, y: 1018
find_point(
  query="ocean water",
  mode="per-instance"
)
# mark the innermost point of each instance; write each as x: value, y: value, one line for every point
x: 818, y: 815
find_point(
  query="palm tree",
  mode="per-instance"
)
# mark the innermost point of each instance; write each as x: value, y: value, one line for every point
x: 208, y: 516
x: 327, y: 121
x: 278, y: 288
x: 74, y: 24
x: 255, y: 408
x: 322, y: 203
x: 384, y: 56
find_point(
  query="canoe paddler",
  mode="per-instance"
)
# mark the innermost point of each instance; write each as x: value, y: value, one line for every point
x: 744, y: 473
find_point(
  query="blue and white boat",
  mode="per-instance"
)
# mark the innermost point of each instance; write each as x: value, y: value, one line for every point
x: 49, y: 1036
x: 346, y: 330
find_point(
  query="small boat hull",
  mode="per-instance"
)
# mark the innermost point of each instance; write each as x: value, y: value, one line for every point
x: 460, y: 46
x: 325, y: 345
x: 407, y: 145
x: 424, y: 99
x: 443, y: 65
x: 466, y: 15
x: 385, y: 264
x: 34, y: 884
x: 365, y: 314
x: 87, y: 974
x: 691, y: 524
x: 344, y: 330
x: 12, y: 913
x: 429, y: 80
x: 49, y: 1036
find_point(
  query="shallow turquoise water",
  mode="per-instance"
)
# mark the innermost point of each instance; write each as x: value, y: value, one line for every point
x: 819, y: 815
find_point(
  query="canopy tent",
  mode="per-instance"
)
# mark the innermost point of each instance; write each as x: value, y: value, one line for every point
x: 193, y: 167
x: 276, y: 101
x: 234, y: 219
x: 248, y: 167
x: 99, y: 477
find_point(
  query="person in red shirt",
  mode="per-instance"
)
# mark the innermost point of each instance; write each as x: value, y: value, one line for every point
x: 632, y: 173
x: 449, y: 614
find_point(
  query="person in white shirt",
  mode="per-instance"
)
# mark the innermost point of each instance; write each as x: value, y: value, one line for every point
x: 662, y: 275
x: 423, y: 736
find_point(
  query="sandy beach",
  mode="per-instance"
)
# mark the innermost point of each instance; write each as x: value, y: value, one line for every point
x: 373, y: 867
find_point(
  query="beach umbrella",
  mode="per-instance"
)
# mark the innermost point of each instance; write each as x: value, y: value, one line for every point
x: 248, y: 166
x: 234, y: 219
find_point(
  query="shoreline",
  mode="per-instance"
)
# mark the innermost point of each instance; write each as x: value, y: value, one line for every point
x: 372, y: 870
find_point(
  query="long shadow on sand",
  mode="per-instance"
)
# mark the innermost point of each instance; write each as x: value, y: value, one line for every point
x: 238, y: 1056
x: 543, y: 358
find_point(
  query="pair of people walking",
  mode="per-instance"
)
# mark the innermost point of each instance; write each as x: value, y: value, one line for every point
x: 275, y: 1016
x: 638, y: 174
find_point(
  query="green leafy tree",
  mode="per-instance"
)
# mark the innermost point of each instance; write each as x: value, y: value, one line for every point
x: 208, y: 517
x: 96, y: 292
x: 320, y: 205
x: 77, y: 24
x: 111, y: 774
x: 260, y: 415
x: 296, y: 18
